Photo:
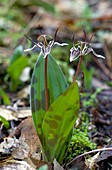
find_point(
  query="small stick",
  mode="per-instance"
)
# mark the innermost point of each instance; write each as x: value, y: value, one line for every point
x: 86, y: 153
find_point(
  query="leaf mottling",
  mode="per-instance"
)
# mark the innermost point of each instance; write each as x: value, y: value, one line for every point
x: 51, y: 109
x: 52, y: 123
x: 62, y: 139
x: 37, y: 104
x: 39, y: 126
x: 58, y: 118
x: 35, y: 79
x: 51, y: 142
x: 43, y: 105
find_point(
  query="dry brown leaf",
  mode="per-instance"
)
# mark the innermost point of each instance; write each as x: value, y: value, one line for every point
x: 16, y: 165
x: 13, y: 115
x: 27, y: 132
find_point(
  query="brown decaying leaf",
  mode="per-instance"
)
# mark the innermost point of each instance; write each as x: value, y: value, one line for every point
x: 27, y: 131
x: 14, y: 164
x: 10, y: 114
x: 92, y: 161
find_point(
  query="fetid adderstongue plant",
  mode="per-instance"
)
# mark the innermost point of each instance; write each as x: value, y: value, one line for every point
x: 54, y: 104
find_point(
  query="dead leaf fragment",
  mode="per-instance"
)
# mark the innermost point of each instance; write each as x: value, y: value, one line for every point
x: 22, y: 151
x: 26, y: 131
x: 92, y: 162
x: 57, y: 166
x: 16, y: 165
x: 12, y: 115
x: 8, y: 145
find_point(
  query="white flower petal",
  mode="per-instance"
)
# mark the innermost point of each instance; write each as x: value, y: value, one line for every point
x: 74, y: 53
x: 46, y: 50
x: 30, y: 49
x: 51, y: 43
x: 86, y: 51
x: 60, y: 44
x: 97, y: 55
x: 94, y: 53
x: 40, y: 44
x: 72, y: 58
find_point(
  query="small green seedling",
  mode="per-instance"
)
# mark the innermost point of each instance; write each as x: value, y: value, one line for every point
x: 17, y: 63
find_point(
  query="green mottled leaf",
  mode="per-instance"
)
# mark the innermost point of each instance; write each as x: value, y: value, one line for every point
x: 58, y: 123
x: 56, y: 85
x: 37, y: 95
x: 17, y: 54
x: 15, y: 70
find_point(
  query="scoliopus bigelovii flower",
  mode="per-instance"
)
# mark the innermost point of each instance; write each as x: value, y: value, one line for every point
x: 82, y: 49
x: 45, y: 46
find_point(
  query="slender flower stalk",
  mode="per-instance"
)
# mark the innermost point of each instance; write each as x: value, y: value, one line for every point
x: 46, y: 84
x: 78, y: 69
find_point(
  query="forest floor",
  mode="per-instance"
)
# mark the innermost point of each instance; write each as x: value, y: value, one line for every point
x: 20, y: 147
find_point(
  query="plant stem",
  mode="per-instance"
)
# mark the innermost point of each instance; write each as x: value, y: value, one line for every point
x: 46, y: 83
x: 78, y: 68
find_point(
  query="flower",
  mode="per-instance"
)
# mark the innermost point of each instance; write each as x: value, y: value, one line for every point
x: 45, y: 46
x: 76, y: 52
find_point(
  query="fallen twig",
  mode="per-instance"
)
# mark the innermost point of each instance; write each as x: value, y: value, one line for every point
x: 86, y: 153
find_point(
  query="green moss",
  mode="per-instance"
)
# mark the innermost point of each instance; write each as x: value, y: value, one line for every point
x: 80, y: 141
